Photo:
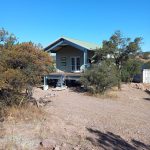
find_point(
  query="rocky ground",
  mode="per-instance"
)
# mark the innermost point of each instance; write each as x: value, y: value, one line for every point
x: 74, y: 120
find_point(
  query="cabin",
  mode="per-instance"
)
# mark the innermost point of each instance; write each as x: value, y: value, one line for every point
x: 72, y: 58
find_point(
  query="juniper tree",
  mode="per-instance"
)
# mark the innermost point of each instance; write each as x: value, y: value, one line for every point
x: 119, y: 49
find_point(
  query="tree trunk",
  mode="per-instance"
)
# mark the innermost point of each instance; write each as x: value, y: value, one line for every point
x: 119, y: 84
x: 119, y: 77
x: 29, y: 91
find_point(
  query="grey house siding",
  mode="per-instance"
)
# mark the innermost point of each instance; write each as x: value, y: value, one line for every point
x: 68, y: 52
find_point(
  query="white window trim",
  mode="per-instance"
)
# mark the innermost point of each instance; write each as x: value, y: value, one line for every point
x: 75, y: 63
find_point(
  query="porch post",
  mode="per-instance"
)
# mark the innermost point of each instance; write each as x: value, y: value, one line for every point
x: 85, y: 58
x: 45, y: 86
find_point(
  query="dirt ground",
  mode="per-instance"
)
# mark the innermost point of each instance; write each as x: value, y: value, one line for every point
x: 77, y: 121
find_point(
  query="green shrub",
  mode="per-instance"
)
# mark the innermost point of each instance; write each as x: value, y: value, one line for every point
x: 100, y: 77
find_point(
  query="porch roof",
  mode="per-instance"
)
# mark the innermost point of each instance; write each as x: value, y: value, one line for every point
x: 64, y: 41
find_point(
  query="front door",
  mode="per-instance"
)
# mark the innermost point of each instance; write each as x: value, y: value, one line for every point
x: 75, y: 64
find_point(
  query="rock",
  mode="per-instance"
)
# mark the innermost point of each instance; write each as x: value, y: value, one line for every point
x: 47, y: 144
x: 77, y: 147
x: 57, y: 147
x: 63, y: 144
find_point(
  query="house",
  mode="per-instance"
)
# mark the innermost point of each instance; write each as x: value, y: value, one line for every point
x: 72, y: 57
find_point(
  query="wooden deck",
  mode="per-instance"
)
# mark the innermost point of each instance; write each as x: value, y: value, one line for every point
x: 64, y: 75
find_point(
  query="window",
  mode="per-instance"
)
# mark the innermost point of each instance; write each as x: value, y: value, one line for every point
x: 63, y: 61
x: 75, y: 63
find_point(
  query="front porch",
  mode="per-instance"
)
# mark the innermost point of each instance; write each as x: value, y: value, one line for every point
x: 61, y: 77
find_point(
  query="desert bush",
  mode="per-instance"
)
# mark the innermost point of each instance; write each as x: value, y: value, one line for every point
x: 100, y: 77
x: 21, y: 67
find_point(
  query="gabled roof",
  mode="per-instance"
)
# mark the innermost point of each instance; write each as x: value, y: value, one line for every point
x: 87, y: 45
x: 63, y: 41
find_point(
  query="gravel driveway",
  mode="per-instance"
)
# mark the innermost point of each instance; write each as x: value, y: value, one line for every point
x: 77, y: 121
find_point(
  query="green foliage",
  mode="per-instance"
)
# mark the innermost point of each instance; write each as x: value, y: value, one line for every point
x: 21, y: 67
x: 130, y: 69
x: 119, y: 50
x: 147, y: 65
x: 100, y: 77
x: 6, y: 39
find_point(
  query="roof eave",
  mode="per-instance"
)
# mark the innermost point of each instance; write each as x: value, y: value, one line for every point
x: 50, y: 48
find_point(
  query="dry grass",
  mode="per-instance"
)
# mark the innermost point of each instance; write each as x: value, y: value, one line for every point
x: 10, y: 146
x: 108, y: 95
x: 111, y: 94
x: 20, y: 115
x: 25, y: 113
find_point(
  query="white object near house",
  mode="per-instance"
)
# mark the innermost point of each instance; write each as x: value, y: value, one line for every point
x: 45, y: 86
x: 146, y: 75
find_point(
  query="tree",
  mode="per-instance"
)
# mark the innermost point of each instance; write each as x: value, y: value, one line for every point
x: 119, y: 50
x: 6, y: 39
x: 100, y: 77
x: 147, y: 65
x: 129, y: 69
x: 21, y: 67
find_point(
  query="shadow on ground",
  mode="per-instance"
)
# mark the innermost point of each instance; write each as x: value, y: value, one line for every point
x: 148, y: 92
x: 110, y: 141
x: 148, y: 99
x: 78, y: 89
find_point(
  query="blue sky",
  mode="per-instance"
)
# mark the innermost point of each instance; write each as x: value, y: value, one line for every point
x: 43, y: 21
